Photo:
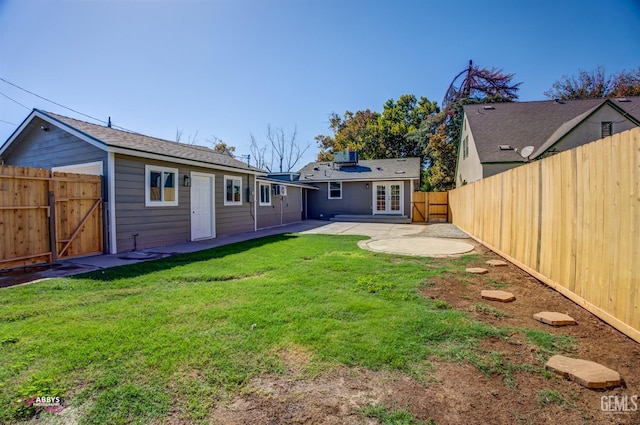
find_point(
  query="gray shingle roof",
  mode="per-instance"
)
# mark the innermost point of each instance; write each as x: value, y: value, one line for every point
x: 372, y: 169
x: 112, y: 137
x: 539, y: 124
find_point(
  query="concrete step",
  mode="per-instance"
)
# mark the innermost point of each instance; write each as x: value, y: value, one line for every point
x: 397, y: 219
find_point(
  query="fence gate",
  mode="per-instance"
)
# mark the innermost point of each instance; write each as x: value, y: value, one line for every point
x: 430, y: 207
x: 45, y: 216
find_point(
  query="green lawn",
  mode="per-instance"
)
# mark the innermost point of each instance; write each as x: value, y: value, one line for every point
x: 136, y: 343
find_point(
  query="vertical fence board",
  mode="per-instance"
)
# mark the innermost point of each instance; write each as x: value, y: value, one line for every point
x: 24, y: 215
x: 572, y: 220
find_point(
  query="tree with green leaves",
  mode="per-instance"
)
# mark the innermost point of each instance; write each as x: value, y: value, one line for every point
x: 596, y: 84
x: 378, y: 135
x: 441, y: 133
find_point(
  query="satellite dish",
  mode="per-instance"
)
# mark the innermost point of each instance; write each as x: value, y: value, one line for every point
x: 526, y: 151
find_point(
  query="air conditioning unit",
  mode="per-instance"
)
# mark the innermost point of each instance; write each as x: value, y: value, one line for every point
x: 345, y: 157
x: 280, y: 190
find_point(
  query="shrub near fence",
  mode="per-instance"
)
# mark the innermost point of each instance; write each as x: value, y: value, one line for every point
x: 572, y: 220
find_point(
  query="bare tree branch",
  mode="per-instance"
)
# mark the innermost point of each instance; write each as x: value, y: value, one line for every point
x: 284, y: 151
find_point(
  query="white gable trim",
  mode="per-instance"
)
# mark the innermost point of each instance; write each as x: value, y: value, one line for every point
x: 110, y: 149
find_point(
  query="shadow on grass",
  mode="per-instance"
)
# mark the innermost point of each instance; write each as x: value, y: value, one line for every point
x: 152, y: 266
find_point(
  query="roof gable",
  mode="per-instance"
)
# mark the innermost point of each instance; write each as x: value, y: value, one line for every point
x: 539, y: 124
x: 113, y: 140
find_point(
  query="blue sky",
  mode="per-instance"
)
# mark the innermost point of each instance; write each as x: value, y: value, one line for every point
x: 228, y: 68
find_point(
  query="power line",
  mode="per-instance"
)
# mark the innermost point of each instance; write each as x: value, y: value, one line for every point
x: 7, y: 122
x: 58, y: 104
x: 13, y: 100
x: 49, y: 100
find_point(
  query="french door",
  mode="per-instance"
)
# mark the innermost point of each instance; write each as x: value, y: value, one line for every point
x: 388, y: 198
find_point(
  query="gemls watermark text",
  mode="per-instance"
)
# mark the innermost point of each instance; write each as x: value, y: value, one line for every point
x: 619, y: 403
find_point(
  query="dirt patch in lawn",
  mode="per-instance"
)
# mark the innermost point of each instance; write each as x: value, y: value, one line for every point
x: 508, y: 386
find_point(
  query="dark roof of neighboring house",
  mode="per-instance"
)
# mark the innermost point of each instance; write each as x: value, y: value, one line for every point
x: 107, y: 137
x: 371, y: 169
x: 539, y: 124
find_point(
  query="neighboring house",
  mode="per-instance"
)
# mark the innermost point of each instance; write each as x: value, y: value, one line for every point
x: 368, y: 187
x: 499, y: 136
x: 156, y: 192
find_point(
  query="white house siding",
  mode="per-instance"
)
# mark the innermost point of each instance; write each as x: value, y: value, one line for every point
x: 166, y: 225
x: 469, y: 168
x: 270, y: 216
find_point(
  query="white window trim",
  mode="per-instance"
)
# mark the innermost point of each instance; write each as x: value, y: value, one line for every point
x: 329, y: 191
x: 147, y: 192
x: 265, y: 204
x: 224, y: 191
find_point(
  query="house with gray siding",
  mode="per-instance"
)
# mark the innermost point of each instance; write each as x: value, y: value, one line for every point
x: 155, y: 192
x: 351, y: 187
x: 281, y: 201
x: 498, y: 137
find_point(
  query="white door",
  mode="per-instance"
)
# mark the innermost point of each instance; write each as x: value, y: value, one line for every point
x: 387, y: 198
x: 202, y: 206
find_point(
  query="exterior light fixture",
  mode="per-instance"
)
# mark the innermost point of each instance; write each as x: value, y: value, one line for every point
x: 186, y: 182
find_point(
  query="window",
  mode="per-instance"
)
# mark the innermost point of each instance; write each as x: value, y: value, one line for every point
x: 160, y: 186
x: 232, y: 190
x: 607, y: 128
x: 265, y: 194
x: 465, y: 147
x: 335, y: 190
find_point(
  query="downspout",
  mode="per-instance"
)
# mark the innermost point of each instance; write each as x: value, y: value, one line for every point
x: 255, y: 204
x: 111, y: 188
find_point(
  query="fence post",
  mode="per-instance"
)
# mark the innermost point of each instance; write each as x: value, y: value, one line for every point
x: 53, y: 244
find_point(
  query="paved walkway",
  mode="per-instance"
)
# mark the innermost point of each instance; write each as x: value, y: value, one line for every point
x: 433, y: 240
x: 406, y: 239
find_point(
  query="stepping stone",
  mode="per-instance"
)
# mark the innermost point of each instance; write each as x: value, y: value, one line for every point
x: 477, y: 270
x: 495, y: 295
x: 554, y: 319
x: 497, y: 263
x: 586, y: 373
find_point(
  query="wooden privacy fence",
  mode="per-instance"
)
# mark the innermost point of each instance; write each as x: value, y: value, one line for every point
x: 430, y: 207
x: 572, y: 220
x: 45, y: 216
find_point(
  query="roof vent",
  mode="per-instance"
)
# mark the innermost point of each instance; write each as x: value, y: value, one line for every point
x: 316, y: 168
x: 488, y: 107
x: 400, y: 172
x: 506, y: 147
x: 379, y: 168
x: 560, y: 101
x: 623, y: 99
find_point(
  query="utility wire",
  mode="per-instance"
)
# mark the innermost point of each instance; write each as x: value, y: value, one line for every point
x: 49, y: 100
x: 58, y: 104
x: 13, y: 100
x: 7, y: 122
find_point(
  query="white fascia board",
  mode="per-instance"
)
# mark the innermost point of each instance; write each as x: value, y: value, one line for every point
x: 147, y: 155
x: 110, y: 149
x: 286, y: 183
